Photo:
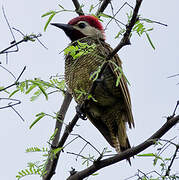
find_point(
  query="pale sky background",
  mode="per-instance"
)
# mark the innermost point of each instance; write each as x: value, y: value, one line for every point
x: 153, y: 94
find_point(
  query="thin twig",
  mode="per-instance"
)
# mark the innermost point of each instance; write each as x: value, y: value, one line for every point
x: 80, y: 156
x: 87, y: 143
x: 16, y: 111
x: 14, y: 40
x: 8, y: 71
x: 16, y: 102
x: 15, y: 83
x: 25, y: 39
x: 21, y: 74
x: 171, y: 163
x: 114, y: 15
x: 173, y: 76
x: 169, y: 141
x: 15, y: 44
x: 152, y: 21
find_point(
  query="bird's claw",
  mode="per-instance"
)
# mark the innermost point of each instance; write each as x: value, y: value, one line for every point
x: 80, y: 112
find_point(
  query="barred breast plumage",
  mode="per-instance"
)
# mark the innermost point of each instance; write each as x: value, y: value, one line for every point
x: 110, y: 108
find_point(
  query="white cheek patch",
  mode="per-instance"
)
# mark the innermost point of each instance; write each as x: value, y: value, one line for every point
x: 90, y: 31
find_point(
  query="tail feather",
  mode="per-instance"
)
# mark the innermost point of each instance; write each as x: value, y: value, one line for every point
x: 119, y: 148
x: 128, y: 146
x: 122, y: 141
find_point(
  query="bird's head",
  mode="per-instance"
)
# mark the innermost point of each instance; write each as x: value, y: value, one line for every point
x: 82, y: 26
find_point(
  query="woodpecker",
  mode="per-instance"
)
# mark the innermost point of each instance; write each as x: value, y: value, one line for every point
x: 109, y: 109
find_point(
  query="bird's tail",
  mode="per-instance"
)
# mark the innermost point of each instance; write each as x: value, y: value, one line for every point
x: 122, y: 142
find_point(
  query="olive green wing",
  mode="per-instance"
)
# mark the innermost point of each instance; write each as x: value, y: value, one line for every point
x: 121, y: 82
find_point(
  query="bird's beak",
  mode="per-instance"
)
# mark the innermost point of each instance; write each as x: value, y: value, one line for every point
x: 66, y: 27
x: 69, y: 30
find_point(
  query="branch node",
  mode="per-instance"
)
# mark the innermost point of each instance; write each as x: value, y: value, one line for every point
x: 73, y: 171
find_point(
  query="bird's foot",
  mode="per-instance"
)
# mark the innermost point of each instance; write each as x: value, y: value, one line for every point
x: 80, y: 112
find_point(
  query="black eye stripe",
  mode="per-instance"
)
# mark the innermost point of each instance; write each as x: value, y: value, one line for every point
x: 81, y: 25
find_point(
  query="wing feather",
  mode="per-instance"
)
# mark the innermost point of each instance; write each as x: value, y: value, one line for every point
x: 123, y: 87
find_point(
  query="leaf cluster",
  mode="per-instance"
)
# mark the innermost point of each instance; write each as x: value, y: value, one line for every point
x: 32, y: 169
x: 79, y: 50
x: 39, y: 86
x: 138, y: 28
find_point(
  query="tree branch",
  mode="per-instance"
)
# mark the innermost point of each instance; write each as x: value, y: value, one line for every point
x: 68, y: 130
x: 125, y: 154
x: 60, y: 117
x: 78, y: 9
x: 103, y: 6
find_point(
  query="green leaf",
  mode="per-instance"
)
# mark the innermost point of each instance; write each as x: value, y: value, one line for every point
x: 23, y: 172
x: 150, y: 41
x: 142, y: 30
x: 148, y: 20
x: 95, y: 174
x: 120, y: 33
x: 33, y: 149
x: 49, y: 19
x: 147, y: 155
x: 94, y: 76
x: 37, y: 83
x: 1, y: 87
x: 150, y: 29
x: 40, y: 116
x: 18, y: 177
x: 48, y: 13
x: 14, y: 92
x: 55, y: 151
x: 81, y: 92
x: 105, y: 15
x: 91, y: 97
x: 43, y: 91
x: 78, y: 55
x: 30, y: 88
x: 118, y: 79
x: 91, y: 8
x: 53, y: 135
x: 20, y: 174
x: 27, y: 171
x: 22, y: 86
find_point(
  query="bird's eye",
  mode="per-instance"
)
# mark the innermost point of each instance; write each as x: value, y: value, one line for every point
x: 81, y: 25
